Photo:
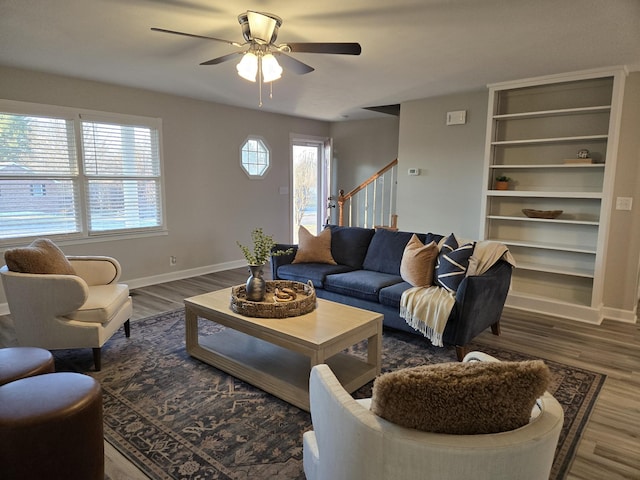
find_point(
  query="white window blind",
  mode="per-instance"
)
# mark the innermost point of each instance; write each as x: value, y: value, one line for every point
x: 38, y: 176
x: 110, y: 183
x: 122, y: 169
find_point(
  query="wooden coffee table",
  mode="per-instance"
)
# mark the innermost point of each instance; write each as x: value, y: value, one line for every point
x: 276, y: 354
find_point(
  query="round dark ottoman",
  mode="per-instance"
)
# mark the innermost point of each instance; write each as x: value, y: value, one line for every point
x: 51, y: 427
x: 21, y: 362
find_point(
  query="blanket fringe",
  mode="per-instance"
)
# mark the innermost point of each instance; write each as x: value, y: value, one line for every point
x: 420, y: 325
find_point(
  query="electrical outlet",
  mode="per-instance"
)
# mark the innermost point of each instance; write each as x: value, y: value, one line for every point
x: 624, y: 203
x: 173, y: 260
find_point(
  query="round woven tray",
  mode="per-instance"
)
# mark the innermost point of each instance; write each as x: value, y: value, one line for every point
x: 548, y: 214
x: 304, y: 302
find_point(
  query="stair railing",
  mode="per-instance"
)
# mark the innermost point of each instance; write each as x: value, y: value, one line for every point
x: 372, y: 204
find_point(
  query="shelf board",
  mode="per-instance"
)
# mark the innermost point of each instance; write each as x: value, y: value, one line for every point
x: 547, y: 246
x: 543, y: 194
x: 548, y: 166
x: 572, y: 272
x: 553, y: 113
x: 547, y: 220
x: 534, y: 141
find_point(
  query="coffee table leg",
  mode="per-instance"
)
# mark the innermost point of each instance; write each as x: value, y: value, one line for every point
x: 191, y: 329
x: 315, y: 359
x: 374, y: 350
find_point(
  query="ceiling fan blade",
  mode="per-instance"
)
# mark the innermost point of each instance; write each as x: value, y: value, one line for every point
x: 290, y: 63
x: 224, y: 58
x: 335, y: 48
x: 173, y: 32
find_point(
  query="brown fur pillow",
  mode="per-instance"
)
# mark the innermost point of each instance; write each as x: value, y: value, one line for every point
x: 42, y: 256
x: 461, y: 398
x: 312, y: 249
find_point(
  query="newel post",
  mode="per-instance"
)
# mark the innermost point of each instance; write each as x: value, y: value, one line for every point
x: 340, y: 208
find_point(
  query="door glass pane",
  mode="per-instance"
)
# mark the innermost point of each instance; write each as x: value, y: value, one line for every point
x: 305, y: 189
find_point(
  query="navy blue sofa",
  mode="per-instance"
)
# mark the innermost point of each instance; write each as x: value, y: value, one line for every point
x: 367, y: 275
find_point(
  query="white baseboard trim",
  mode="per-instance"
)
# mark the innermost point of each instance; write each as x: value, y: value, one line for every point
x: 624, y: 316
x: 182, y: 274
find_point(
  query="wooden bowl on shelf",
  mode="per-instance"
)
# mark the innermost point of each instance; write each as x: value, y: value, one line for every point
x: 549, y: 214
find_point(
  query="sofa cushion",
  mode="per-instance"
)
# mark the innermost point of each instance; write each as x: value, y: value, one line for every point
x: 392, y: 294
x: 362, y: 284
x: 42, y: 257
x: 461, y: 398
x: 103, y: 302
x: 314, y: 249
x: 452, y: 263
x: 316, y: 272
x: 385, y: 251
x: 349, y: 244
x: 418, y: 262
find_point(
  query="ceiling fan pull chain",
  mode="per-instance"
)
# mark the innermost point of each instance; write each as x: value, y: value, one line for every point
x: 260, y: 78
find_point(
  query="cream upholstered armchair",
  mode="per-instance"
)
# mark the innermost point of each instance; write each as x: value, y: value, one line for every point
x: 63, y: 311
x: 350, y: 442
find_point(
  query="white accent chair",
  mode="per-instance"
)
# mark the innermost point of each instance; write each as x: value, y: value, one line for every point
x: 349, y: 442
x: 69, y: 311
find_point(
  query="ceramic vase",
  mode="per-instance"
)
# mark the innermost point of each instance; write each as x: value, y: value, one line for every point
x: 256, y: 285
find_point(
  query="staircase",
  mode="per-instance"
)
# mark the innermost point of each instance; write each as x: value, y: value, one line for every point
x: 372, y: 204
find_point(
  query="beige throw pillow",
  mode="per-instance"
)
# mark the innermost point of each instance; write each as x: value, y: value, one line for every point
x: 461, y: 398
x: 42, y: 256
x: 312, y: 249
x: 418, y: 262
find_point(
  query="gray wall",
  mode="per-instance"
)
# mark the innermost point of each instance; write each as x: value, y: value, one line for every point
x: 622, y: 268
x: 210, y: 201
x: 444, y: 198
x: 361, y: 148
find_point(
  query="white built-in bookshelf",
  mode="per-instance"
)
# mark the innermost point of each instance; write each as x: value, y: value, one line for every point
x: 535, y: 129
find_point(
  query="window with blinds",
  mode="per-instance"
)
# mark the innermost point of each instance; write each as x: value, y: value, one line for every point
x: 49, y: 186
x: 122, y: 176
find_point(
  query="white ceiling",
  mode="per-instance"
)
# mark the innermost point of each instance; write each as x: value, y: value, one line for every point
x: 411, y: 49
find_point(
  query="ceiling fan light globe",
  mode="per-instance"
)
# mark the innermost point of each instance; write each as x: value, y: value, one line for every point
x: 271, y: 69
x: 248, y: 67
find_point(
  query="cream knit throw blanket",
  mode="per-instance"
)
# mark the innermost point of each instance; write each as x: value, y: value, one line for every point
x: 427, y: 309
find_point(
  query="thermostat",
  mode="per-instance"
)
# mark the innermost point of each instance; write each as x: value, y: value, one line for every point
x: 414, y: 171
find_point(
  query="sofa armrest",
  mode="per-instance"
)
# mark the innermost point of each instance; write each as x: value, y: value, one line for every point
x: 479, y: 303
x: 96, y: 270
x: 277, y: 261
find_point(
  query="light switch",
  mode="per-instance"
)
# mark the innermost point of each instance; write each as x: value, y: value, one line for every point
x: 458, y: 117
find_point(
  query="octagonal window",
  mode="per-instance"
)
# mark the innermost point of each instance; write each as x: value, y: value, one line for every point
x: 254, y: 157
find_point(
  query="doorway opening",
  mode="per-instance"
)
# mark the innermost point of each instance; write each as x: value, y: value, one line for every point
x: 310, y: 178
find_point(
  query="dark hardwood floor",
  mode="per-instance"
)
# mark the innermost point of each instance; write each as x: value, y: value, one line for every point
x: 610, y: 446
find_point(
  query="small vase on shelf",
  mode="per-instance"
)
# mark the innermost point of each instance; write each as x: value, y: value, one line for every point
x: 256, y: 286
x: 502, y: 183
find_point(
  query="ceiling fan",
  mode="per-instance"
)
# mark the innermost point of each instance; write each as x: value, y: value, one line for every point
x: 260, y: 58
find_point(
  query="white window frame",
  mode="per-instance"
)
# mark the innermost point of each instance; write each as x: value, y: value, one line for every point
x: 77, y: 116
x: 245, y: 164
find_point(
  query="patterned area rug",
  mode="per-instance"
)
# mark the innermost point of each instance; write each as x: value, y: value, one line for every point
x: 178, y: 418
